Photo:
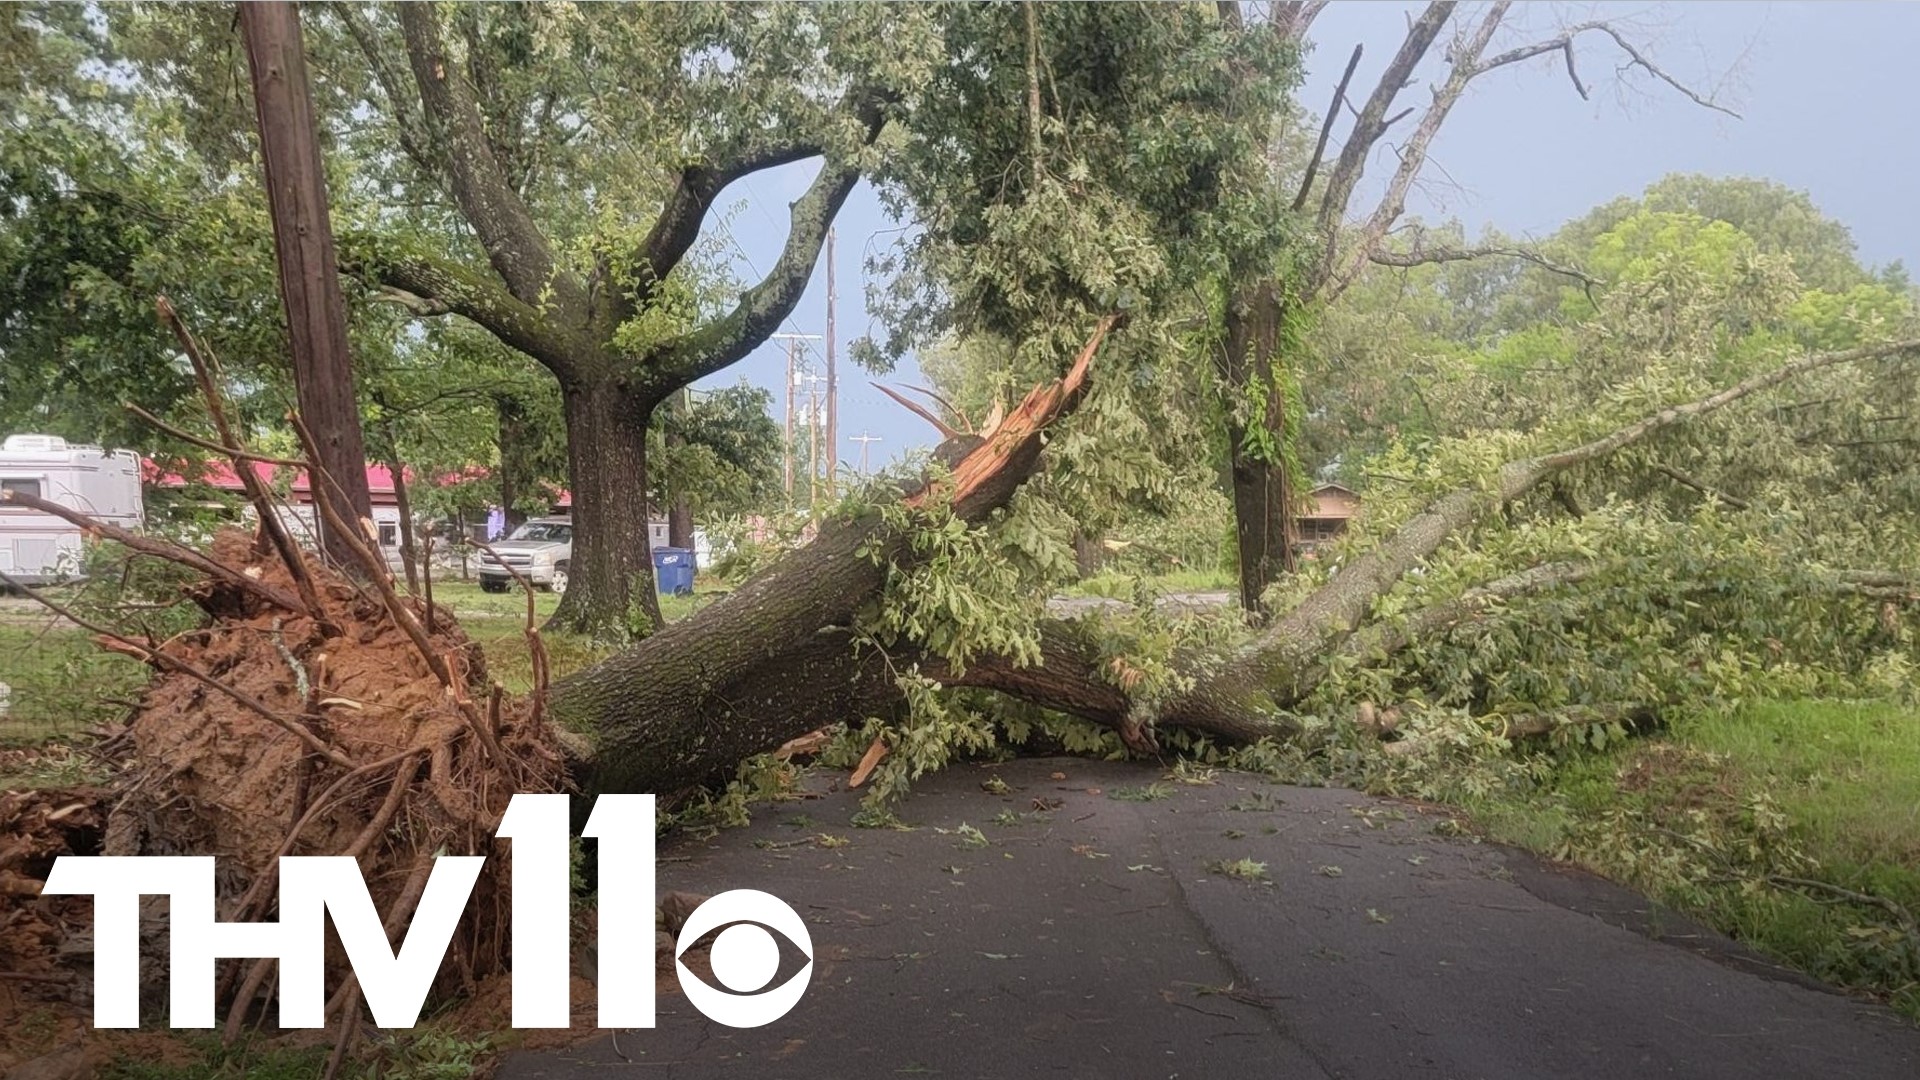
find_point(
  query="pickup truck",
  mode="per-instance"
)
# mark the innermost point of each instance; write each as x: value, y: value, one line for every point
x: 538, y: 550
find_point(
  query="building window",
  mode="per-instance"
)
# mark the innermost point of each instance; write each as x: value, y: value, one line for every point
x: 1315, y: 530
x: 21, y: 486
x: 389, y: 534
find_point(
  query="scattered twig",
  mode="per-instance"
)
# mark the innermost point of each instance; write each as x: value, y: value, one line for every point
x: 1685, y: 480
x: 1908, y: 923
x: 208, y: 444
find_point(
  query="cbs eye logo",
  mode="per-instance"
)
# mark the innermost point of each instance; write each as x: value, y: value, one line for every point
x: 745, y: 958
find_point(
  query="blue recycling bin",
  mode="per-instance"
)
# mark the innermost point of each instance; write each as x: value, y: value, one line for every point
x: 673, y: 570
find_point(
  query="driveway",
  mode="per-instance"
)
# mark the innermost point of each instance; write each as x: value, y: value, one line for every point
x: 1093, y: 939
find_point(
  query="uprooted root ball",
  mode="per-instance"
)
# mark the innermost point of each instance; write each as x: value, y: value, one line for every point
x: 398, y: 766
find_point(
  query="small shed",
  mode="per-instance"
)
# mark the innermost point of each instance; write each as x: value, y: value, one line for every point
x: 1334, y: 505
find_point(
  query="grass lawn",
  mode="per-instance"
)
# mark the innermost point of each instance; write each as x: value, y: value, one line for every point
x: 498, y: 622
x: 59, y: 683
x: 1818, y: 790
x: 1119, y: 586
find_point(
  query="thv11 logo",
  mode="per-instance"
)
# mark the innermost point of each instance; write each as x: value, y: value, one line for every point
x: 744, y: 957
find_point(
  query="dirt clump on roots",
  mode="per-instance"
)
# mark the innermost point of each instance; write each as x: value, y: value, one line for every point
x: 277, y: 731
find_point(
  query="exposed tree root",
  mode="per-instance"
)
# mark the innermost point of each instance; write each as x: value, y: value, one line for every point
x: 310, y: 716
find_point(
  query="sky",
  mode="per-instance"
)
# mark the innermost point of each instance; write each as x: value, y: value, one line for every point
x: 1824, y: 92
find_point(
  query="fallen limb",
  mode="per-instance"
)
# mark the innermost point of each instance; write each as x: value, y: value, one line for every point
x: 773, y: 659
x: 1533, y: 725
x: 778, y: 658
x: 1383, y: 639
x: 1280, y: 667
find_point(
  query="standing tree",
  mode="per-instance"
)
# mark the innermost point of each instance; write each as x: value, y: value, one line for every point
x: 1273, y: 296
x: 581, y: 155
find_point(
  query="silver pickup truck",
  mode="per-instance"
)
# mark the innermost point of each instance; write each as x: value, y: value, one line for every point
x: 539, y: 551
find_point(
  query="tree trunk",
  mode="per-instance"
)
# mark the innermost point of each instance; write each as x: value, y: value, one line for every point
x: 511, y: 426
x: 610, y: 593
x: 296, y: 186
x: 1258, y: 433
x: 1087, y: 554
x: 409, y: 557
x: 680, y: 524
x: 679, y: 509
x: 773, y: 659
x: 744, y: 674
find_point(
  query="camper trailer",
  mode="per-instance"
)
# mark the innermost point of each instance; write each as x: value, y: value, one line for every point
x: 37, y: 548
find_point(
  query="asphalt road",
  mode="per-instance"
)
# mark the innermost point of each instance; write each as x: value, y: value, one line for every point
x: 1093, y: 940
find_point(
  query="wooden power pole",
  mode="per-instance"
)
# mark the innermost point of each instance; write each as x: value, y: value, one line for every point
x: 296, y: 185
x: 793, y: 379
x: 833, y: 384
x: 865, y: 440
x: 786, y: 452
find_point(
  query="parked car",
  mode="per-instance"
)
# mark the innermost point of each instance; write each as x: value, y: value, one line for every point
x: 538, y: 550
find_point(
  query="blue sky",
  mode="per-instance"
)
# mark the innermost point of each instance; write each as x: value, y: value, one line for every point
x: 1823, y: 90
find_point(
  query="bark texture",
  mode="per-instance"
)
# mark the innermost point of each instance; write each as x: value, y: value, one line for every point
x: 296, y: 184
x: 610, y: 579
x: 774, y: 659
x: 1263, y: 495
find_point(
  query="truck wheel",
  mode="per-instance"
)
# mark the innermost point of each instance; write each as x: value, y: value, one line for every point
x: 558, y: 585
x: 489, y: 585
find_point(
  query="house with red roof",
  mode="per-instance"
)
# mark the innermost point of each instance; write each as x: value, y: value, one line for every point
x: 297, y: 510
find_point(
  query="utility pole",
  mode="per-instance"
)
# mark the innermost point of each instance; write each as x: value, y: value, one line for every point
x: 813, y: 436
x: 296, y: 184
x: 864, y: 440
x: 793, y: 379
x: 786, y: 448
x: 833, y: 384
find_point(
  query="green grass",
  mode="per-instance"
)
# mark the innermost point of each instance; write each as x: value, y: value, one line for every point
x: 1847, y: 773
x: 498, y: 622
x: 1116, y: 585
x: 424, y: 1053
x: 468, y: 600
x: 61, y: 682
x: 1843, y: 779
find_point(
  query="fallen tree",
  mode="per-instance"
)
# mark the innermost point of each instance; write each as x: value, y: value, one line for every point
x: 314, y: 712
x: 782, y: 656
x: 321, y: 713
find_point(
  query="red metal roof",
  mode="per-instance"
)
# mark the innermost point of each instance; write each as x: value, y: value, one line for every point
x: 220, y: 474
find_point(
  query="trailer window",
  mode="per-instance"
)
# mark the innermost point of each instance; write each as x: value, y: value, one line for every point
x: 389, y: 534
x: 21, y: 486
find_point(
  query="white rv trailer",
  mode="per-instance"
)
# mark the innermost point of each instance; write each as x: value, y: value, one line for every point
x: 37, y: 548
